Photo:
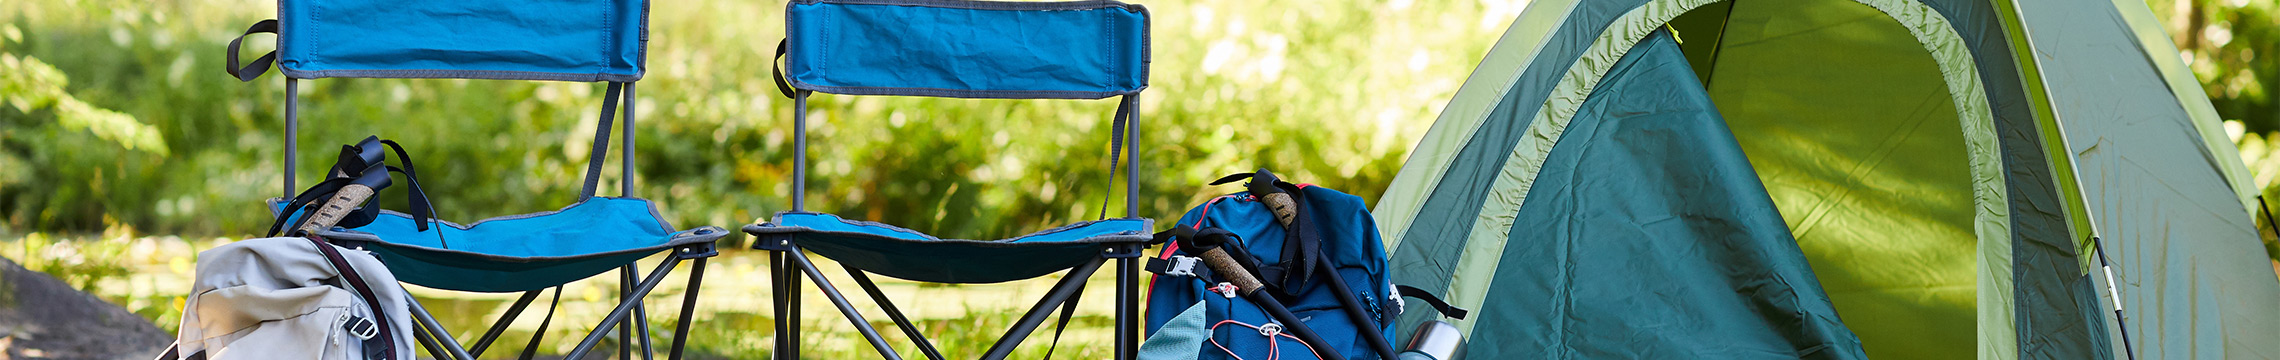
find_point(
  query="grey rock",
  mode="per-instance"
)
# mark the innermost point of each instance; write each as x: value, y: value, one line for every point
x: 43, y: 318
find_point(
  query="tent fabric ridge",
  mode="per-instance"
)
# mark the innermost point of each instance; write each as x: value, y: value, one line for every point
x: 1485, y: 241
x: 1991, y: 224
x: 1460, y: 119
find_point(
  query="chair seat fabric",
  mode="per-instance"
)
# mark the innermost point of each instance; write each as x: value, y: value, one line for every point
x: 521, y: 252
x: 911, y: 255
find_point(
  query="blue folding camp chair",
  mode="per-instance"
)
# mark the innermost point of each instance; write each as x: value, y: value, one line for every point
x: 561, y: 40
x: 961, y: 49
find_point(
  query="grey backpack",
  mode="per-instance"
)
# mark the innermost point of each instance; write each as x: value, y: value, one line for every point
x: 292, y: 298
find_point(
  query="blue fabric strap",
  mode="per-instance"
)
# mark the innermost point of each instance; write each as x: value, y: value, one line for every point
x: 1123, y: 119
x: 601, y: 140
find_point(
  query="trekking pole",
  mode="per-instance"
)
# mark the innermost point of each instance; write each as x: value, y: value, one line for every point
x: 1265, y: 186
x: 341, y: 203
x: 1207, y: 246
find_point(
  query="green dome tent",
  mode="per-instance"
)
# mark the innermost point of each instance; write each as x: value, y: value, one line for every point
x: 1896, y: 179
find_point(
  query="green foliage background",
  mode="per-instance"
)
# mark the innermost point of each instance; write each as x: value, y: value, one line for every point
x: 119, y: 117
x: 115, y: 119
x: 1332, y: 93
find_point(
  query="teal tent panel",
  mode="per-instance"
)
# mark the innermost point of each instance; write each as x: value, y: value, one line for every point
x: 1648, y: 235
x: 1436, y: 238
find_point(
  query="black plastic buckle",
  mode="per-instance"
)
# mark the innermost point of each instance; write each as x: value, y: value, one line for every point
x: 695, y: 251
x: 1122, y: 252
x: 774, y: 242
x: 363, y: 328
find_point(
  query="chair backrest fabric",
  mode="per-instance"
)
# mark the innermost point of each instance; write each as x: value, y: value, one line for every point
x: 968, y: 49
x: 564, y: 40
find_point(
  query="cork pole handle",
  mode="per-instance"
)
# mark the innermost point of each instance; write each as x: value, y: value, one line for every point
x: 1286, y: 210
x: 1225, y: 266
x: 335, y: 208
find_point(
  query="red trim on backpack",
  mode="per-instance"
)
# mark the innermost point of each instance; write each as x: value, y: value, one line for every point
x: 1171, y: 247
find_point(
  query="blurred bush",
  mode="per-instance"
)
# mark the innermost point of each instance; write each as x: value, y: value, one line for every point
x: 1332, y: 93
x: 116, y: 115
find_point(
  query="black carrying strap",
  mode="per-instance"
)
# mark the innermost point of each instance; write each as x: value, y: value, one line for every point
x: 385, y: 337
x: 1116, y: 150
x: 1302, y: 241
x: 354, y: 164
x: 776, y: 68
x: 1443, y: 307
x: 531, y: 350
x: 261, y: 64
x: 1302, y: 246
x: 601, y: 149
x: 1068, y: 310
x: 422, y: 208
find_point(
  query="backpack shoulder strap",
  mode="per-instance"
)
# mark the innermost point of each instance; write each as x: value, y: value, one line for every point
x: 382, y: 343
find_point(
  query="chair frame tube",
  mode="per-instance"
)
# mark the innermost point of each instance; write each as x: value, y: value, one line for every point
x: 845, y: 309
x: 786, y: 288
x: 1030, y: 320
x: 925, y: 347
x: 500, y: 327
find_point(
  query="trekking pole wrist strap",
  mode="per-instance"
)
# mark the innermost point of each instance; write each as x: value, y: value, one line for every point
x: 1443, y: 307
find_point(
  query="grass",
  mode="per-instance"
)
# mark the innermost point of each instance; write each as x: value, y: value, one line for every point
x: 149, y: 275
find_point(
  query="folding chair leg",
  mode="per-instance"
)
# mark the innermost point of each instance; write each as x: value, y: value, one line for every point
x: 792, y: 291
x: 848, y: 310
x: 506, y: 319
x: 910, y: 330
x: 426, y: 322
x: 623, y: 309
x: 1061, y: 292
x: 625, y: 329
x: 787, y: 317
x: 688, y: 309
x: 428, y: 342
x: 1127, y: 309
x: 639, y: 327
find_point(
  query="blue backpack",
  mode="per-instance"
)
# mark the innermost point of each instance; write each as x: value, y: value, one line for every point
x: 1336, y: 248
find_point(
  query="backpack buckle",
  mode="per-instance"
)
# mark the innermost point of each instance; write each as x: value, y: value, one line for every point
x: 363, y: 328
x: 1182, y: 266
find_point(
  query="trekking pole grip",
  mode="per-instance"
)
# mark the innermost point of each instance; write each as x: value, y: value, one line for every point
x: 1286, y: 210
x: 335, y: 208
x: 1225, y: 266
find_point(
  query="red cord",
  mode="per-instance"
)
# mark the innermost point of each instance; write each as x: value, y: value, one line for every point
x: 1273, y: 351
